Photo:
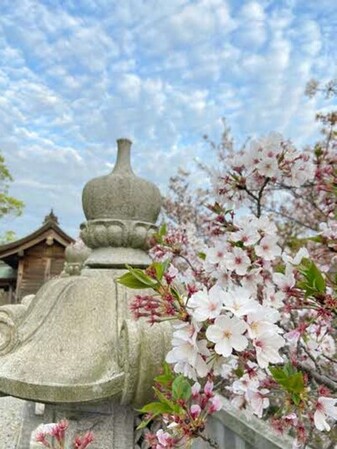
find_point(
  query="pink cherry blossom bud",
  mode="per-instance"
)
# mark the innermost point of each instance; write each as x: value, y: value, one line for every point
x: 83, y: 442
x: 87, y: 439
x: 215, y: 404
x: 291, y: 419
x: 171, y: 274
x: 164, y: 438
x: 195, y: 411
x: 196, y: 389
x: 293, y: 336
x: 40, y: 437
x: 208, y: 388
x: 59, y: 430
x: 322, y: 390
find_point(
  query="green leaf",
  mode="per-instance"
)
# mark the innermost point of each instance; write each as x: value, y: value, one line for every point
x: 156, y: 408
x: 313, y: 279
x: 163, y: 379
x: 296, y: 383
x: 296, y: 399
x: 173, y: 408
x: 288, y: 378
x: 142, y: 277
x: 160, y: 268
x: 144, y: 423
x: 130, y: 281
x: 162, y: 230
x: 167, y: 377
x: 202, y: 256
x: 239, y: 372
x: 181, y: 388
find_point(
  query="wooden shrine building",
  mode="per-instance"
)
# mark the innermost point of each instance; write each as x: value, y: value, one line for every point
x: 29, y: 262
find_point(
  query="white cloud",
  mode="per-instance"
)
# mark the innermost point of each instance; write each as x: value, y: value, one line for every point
x: 74, y: 78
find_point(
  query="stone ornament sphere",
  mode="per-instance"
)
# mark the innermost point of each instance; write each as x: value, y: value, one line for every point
x: 121, y: 195
x: 77, y: 253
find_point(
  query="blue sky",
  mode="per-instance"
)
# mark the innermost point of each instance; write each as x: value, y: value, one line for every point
x: 77, y: 74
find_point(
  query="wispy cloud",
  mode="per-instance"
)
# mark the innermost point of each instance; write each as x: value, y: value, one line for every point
x: 77, y: 75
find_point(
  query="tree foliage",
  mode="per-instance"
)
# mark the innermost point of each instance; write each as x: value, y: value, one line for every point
x: 8, y: 204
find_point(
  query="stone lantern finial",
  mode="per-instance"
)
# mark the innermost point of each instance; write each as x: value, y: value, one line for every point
x: 121, y: 211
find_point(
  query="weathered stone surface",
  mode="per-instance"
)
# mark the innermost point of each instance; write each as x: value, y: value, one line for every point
x: 117, y: 233
x: 231, y: 429
x: 118, y: 258
x: 121, y: 195
x: 121, y: 210
x: 11, y: 413
x: 67, y: 348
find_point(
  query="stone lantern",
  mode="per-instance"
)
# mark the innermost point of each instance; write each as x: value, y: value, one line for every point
x: 74, y: 346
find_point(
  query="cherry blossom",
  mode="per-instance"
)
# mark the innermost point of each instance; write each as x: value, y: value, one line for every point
x: 238, y: 300
x: 268, y: 248
x: 227, y: 334
x: 253, y: 318
x: 237, y: 260
x: 285, y: 282
x: 165, y: 439
x: 187, y: 355
x: 207, y: 305
x: 325, y: 408
x: 262, y: 321
x: 267, y: 346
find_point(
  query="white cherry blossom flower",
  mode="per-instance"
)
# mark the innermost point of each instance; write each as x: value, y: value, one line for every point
x: 216, y: 404
x: 301, y: 172
x: 249, y: 387
x: 272, y: 298
x: 245, y: 383
x: 296, y: 260
x: 187, y: 331
x: 248, y: 235
x: 268, y: 248
x: 325, y: 408
x: 237, y: 260
x: 164, y: 438
x: 226, y: 333
x: 258, y: 401
x: 215, y: 261
x: 267, y: 346
x: 323, y: 343
x: 286, y: 281
x: 262, y: 321
x: 187, y: 353
x: 228, y: 367
x: 251, y: 280
x: 268, y: 167
x: 223, y: 279
x: 238, y: 300
x: 216, y: 254
x: 207, y: 304
x: 266, y: 226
